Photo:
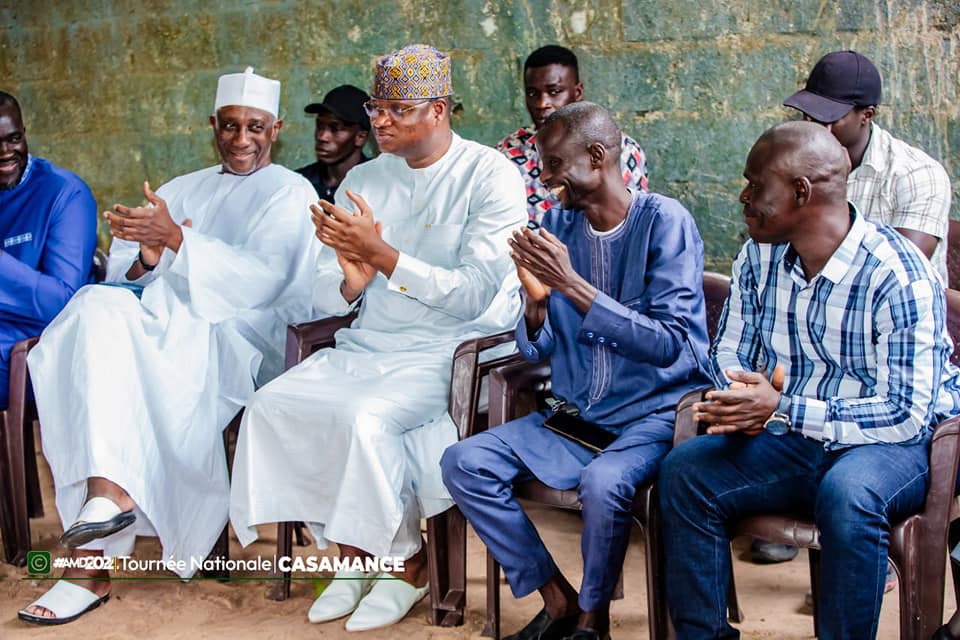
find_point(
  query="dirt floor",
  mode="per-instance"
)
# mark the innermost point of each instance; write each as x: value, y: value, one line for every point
x: 772, y: 596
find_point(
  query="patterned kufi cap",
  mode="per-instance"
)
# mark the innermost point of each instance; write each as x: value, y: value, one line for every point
x: 415, y: 72
x: 247, y: 89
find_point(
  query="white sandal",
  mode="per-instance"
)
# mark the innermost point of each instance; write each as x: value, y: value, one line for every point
x: 98, y: 518
x: 389, y: 601
x: 341, y: 596
x: 67, y: 600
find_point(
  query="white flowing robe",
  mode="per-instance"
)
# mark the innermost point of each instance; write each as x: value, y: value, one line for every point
x: 139, y: 390
x: 350, y: 440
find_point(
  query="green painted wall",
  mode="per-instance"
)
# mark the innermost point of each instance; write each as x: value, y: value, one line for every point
x: 120, y: 91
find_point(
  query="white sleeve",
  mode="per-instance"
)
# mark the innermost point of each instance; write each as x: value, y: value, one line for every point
x: 223, y: 279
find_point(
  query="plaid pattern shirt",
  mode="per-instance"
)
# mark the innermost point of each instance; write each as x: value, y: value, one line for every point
x: 903, y: 187
x: 864, y: 343
x: 520, y: 149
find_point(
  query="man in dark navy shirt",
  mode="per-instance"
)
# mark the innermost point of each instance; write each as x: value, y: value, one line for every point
x: 342, y: 130
x: 48, y: 233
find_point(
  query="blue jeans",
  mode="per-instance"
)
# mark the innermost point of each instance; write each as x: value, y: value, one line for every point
x: 710, y: 482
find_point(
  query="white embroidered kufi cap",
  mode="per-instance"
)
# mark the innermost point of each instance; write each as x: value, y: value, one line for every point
x: 247, y: 89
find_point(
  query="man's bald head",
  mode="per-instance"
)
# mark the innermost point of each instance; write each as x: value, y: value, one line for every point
x: 579, y: 148
x: 7, y: 100
x: 800, y: 149
x: 587, y: 123
x: 796, y: 184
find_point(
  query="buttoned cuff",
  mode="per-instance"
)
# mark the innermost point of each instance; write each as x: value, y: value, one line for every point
x: 409, y: 276
x: 809, y: 417
x: 604, y: 319
x: 531, y: 348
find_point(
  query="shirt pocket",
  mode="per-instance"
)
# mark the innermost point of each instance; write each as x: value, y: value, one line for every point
x: 439, y: 244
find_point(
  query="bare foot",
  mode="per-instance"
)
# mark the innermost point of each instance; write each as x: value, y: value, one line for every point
x: 415, y: 569
x: 82, y: 577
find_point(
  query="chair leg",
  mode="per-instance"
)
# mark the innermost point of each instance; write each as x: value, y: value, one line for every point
x: 734, y: 612
x: 34, y: 496
x: 953, y: 539
x: 618, y: 589
x: 922, y: 575
x: 491, y: 627
x: 814, y: 555
x: 221, y: 552
x: 447, y: 560
x: 657, y: 611
x: 281, y: 588
x: 14, y: 516
x: 299, y: 535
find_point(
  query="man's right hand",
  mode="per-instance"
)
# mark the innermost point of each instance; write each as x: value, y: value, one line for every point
x: 746, y: 403
x: 357, y: 273
x: 151, y: 253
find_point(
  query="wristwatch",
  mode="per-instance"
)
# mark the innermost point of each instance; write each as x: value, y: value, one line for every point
x: 779, y: 421
x: 146, y: 267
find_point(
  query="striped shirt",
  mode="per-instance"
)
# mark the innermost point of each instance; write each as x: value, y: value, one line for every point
x: 864, y: 342
x: 903, y: 187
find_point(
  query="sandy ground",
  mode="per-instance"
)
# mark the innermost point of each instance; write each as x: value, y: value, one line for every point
x: 771, y: 596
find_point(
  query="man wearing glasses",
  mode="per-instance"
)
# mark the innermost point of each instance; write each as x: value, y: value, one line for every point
x: 350, y: 440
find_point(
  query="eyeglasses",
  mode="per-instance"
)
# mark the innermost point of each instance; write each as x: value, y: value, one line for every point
x: 395, y: 112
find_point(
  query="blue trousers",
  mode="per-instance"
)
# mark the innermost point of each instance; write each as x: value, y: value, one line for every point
x: 708, y: 483
x: 479, y: 473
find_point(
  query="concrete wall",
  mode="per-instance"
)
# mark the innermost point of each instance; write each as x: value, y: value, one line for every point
x: 120, y: 91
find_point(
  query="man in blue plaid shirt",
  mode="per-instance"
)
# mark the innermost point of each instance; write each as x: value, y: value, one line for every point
x: 849, y: 321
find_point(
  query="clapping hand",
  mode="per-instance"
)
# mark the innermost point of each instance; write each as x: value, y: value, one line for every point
x: 744, y: 406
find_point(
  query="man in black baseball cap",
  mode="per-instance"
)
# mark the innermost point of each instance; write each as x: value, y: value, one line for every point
x: 342, y: 130
x: 841, y: 81
x: 890, y: 182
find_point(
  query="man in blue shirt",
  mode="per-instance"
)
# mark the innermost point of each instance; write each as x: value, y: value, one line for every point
x: 614, y: 298
x: 849, y: 319
x: 48, y: 231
